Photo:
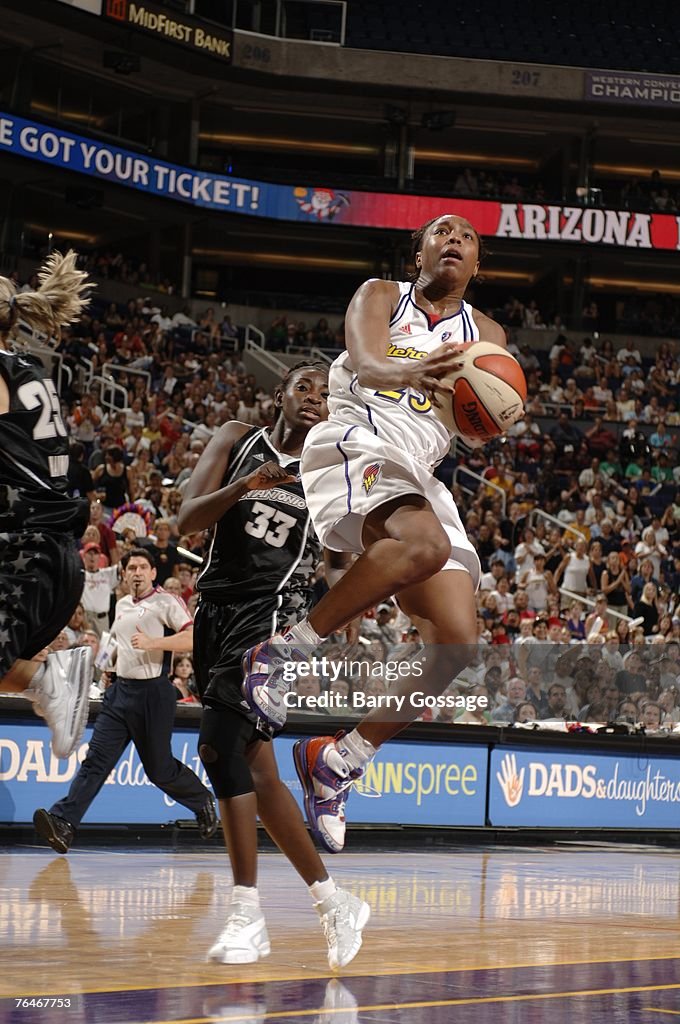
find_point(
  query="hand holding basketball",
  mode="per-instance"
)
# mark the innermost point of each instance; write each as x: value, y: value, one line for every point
x: 432, y: 375
x: 489, y: 391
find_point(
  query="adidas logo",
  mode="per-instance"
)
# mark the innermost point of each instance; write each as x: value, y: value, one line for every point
x: 258, y: 457
x: 406, y: 329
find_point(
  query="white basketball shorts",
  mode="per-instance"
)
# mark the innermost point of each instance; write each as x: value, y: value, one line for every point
x: 347, y: 472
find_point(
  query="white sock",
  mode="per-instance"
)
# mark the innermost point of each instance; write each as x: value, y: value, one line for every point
x: 246, y: 894
x: 355, y: 750
x: 320, y: 891
x: 303, y: 633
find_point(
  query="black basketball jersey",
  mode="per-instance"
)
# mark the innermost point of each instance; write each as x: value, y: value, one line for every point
x: 265, y: 543
x: 34, y: 454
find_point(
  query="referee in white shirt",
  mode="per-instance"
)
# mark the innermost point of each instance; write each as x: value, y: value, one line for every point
x: 139, y: 705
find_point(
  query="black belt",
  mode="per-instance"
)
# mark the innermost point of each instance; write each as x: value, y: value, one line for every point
x: 153, y: 679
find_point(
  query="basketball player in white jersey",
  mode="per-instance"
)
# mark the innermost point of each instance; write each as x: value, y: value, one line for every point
x: 368, y: 478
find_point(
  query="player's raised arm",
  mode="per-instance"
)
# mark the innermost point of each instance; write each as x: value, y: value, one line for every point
x: 205, y: 499
x: 367, y: 334
x: 368, y: 339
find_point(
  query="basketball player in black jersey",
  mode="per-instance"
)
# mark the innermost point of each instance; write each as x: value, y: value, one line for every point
x: 258, y: 575
x: 41, y: 573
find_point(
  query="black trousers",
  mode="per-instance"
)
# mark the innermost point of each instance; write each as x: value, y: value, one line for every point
x: 141, y: 710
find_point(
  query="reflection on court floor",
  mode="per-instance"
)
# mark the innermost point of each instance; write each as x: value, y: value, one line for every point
x: 564, y: 934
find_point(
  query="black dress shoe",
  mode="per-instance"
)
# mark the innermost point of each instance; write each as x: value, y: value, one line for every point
x: 56, y: 831
x: 206, y: 819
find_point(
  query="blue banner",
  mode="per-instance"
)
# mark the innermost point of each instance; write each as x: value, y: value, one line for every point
x: 536, y: 787
x: 324, y: 204
x: 408, y: 783
x: 121, y: 167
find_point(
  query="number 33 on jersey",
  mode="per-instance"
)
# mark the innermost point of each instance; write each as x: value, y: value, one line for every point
x: 265, y: 541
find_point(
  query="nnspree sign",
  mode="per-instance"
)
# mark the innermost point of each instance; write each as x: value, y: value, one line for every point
x: 408, y: 783
x: 591, y: 790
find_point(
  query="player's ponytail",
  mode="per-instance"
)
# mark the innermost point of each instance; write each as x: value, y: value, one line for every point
x: 60, y: 298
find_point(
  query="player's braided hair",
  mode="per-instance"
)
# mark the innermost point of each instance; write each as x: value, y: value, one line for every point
x: 60, y: 298
x: 304, y: 364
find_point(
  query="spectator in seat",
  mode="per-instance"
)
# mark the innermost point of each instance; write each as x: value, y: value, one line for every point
x: 616, y: 583
x: 515, y: 691
x: 557, y: 703
x: 574, y: 569
x: 539, y: 583
x: 661, y: 439
x: 525, y: 712
x: 652, y: 716
x: 597, y: 620
x: 527, y: 550
x: 163, y: 551
x: 535, y: 690
x: 631, y: 678
x: 647, y: 610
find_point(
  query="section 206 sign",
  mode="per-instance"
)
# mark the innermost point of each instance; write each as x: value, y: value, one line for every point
x: 583, y: 789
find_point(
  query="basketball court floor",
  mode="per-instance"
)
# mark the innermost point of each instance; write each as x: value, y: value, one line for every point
x: 567, y: 934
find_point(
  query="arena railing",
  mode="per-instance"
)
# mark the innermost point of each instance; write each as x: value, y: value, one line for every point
x: 487, y: 483
x: 590, y: 602
x: 255, y: 336
x: 111, y: 368
x: 322, y: 355
x: 107, y: 384
x: 554, y: 520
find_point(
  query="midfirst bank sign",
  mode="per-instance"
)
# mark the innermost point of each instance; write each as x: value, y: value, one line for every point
x: 172, y: 27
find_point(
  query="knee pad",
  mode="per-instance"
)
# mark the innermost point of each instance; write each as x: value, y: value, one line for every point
x: 222, y: 744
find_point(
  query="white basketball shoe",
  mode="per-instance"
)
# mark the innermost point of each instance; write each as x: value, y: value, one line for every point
x: 60, y: 693
x: 244, y: 938
x: 343, y: 918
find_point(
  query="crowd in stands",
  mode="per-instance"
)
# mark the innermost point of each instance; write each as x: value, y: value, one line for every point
x: 475, y: 183
x: 593, y: 509
x: 116, y: 266
x: 283, y: 334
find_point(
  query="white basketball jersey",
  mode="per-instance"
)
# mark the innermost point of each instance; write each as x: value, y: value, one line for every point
x: 402, y: 417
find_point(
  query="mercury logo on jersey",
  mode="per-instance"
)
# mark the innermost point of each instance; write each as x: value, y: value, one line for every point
x: 397, y: 352
x: 371, y: 474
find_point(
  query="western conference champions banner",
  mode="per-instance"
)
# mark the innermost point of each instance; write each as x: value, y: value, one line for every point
x: 407, y: 784
x: 328, y: 205
x: 583, y: 789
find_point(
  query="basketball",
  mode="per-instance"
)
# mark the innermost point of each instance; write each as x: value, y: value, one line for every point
x: 489, y: 396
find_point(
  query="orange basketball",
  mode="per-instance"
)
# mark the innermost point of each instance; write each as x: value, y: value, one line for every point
x: 490, y: 393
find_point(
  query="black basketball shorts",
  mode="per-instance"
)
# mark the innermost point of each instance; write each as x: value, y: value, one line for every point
x: 41, y: 583
x: 221, y: 635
